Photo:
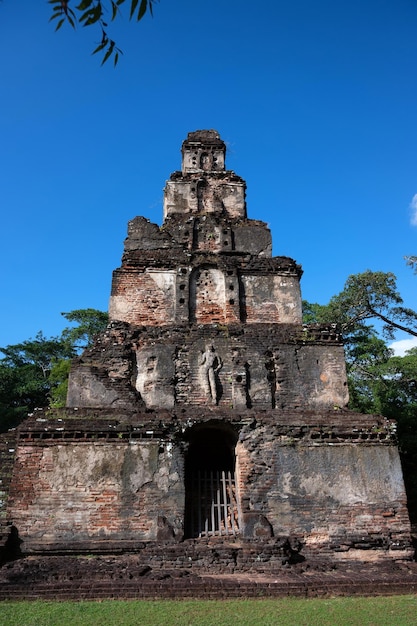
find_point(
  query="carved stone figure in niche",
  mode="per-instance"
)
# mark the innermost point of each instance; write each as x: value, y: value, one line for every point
x: 155, y: 373
x: 210, y: 364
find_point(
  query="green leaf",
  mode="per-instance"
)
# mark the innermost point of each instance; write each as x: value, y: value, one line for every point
x: 61, y: 21
x: 142, y: 9
x: 84, y: 5
x: 84, y: 17
x: 108, y: 53
x: 98, y: 11
x: 133, y: 8
x: 151, y: 6
x: 91, y: 16
x: 100, y: 47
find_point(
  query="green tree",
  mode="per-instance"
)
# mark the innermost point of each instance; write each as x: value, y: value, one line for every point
x: 366, y: 354
x: 397, y: 391
x: 34, y: 373
x: 58, y: 381
x: 99, y: 13
x: 24, y: 375
x: 371, y: 296
x: 396, y: 398
x: 90, y: 322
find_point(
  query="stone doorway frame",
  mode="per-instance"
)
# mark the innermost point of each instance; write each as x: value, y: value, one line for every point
x: 212, y: 502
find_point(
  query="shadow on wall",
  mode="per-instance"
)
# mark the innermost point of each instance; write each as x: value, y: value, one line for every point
x: 11, y: 549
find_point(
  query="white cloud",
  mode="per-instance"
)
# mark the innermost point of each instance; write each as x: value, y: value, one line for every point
x: 413, y: 207
x: 400, y: 347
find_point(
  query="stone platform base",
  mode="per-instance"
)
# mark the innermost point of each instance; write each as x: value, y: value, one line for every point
x: 127, y: 577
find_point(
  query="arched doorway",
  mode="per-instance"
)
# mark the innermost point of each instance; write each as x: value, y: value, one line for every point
x: 211, y: 501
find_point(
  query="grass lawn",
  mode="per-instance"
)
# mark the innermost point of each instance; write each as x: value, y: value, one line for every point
x: 379, y: 611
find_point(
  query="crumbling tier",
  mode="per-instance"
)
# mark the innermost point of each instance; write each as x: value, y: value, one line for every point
x: 235, y: 366
x: 95, y: 481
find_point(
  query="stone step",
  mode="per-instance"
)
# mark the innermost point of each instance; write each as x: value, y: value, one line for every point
x: 124, y: 577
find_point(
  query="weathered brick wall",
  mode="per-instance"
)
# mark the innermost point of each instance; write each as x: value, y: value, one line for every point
x: 88, y: 491
x: 192, y: 195
x: 178, y: 274
x: 347, y: 496
x: 146, y: 298
x: 7, y: 454
x: 123, y: 484
x: 208, y: 295
x: 272, y: 299
x: 198, y: 157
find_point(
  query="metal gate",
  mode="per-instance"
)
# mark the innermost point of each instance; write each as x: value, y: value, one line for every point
x: 213, y: 505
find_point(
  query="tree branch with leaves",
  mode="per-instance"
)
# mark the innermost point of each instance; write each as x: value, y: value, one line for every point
x: 412, y: 262
x: 367, y: 296
x: 99, y: 13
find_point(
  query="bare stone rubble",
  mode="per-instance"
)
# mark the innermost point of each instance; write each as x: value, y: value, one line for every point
x: 129, y: 577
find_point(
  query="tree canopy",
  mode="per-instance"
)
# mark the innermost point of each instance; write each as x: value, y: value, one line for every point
x: 99, y: 13
x: 367, y: 296
x: 34, y: 373
x: 89, y: 322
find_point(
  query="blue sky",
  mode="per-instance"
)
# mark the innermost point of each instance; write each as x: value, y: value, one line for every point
x: 316, y: 101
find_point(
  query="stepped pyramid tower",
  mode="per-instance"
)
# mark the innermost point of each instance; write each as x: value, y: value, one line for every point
x: 207, y: 411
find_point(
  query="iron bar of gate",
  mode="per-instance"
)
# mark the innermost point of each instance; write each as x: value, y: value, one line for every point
x: 236, y: 506
x: 225, y: 502
x: 213, y: 519
x: 198, y: 503
x: 218, y: 503
x: 230, y: 502
x: 215, y: 507
x: 206, y: 504
x: 230, y: 490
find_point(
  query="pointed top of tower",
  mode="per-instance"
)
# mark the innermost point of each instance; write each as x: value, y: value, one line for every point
x: 203, y: 151
x: 204, y: 186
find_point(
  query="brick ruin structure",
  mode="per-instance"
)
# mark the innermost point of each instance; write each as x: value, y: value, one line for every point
x: 207, y: 414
